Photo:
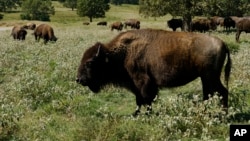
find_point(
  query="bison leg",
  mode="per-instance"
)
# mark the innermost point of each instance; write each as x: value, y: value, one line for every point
x: 207, y: 88
x: 147, y: 92
x: 212, y: 85
x: 238, y: 35
x: 223, y: 92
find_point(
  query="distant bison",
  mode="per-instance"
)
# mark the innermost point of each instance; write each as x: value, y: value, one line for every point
x: 242, y: 25
x: 30, y: 26
x: 85, y: 23
x: 145, y: 60
x: 133, y: 23
x: 228, y: 23
x: 175, y: 23
x: 104, y: 23
x: 18, y: 33
x: 116, y: 25
x: 46, y: 32
x: 203, y: 25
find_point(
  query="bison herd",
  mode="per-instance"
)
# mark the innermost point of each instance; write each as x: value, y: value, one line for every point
x: 207, y: 24
x: 44, y: 31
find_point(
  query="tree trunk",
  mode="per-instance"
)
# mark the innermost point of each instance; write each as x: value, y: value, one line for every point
x: 90, y: 18
x: 187, y: 17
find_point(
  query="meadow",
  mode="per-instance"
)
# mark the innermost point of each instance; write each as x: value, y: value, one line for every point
x: 40, y: 100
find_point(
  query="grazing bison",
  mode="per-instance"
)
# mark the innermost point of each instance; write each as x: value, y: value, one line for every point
x: 30, y: 26
x: 46, y: 32
x: 175, y: 23
x: 228, y: 23
x: 242, y: 25
x: 116, y: 25
x: 133, y: 23
x: 85, y: 23
x: 18, y: 33
x: 145, y: 60
x: 104, y: 23
x: 203, y: 25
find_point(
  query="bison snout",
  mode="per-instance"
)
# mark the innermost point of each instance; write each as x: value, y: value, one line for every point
x: 81, y: 81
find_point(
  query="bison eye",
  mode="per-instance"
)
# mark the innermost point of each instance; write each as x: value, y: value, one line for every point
x: 88, y: 64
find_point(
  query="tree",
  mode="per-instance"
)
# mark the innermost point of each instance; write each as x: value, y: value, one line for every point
x: 92, y: 8
x: 37, y: 10
x: 9, y: 4
x: 69, y: 3
x: 190, y: 8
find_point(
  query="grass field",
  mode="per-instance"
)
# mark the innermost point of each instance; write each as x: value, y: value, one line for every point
x: 40, y: 100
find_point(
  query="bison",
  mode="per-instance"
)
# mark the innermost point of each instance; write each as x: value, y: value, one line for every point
x: 46, y: 32
x: 116, y: 25
x: 175, y: 23
x: 103, y: 23
x: 143, y: 61
x: 203, y: 25
x: 85, y: 23
x: 228, y: 23
x: 133, y: 23
x: 18, y: 33
x: 30, y: 26
x: 242, y: 25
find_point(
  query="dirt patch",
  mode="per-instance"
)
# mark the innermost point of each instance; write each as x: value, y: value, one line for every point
x: 5, y: 28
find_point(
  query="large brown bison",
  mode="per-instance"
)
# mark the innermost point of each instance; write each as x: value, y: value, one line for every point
x: 116, y: 25
x: 145, y: 60
x: 18, y: 33
x: 242, y: 25
x: 133, y: 23
x: 175, y: 23
x: 203, y: 25
x: 46, y: 32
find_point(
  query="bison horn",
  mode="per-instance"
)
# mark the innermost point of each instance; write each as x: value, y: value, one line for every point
x: 98, y: 51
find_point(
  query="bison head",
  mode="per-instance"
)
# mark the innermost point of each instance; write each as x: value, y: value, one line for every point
x: 54, y: 38
x: 91, y: 69
x: 22, y: 34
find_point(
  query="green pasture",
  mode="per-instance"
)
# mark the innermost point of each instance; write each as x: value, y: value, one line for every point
x: 39, y: 99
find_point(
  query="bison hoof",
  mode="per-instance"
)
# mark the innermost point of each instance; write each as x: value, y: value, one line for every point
x: 136, y: 113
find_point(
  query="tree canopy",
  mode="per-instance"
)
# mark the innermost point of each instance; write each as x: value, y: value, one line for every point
x: 9, y: 4
x: 190, y: 8
x: 37, y: 10
x: 92, y: 8
x: 69, y: 3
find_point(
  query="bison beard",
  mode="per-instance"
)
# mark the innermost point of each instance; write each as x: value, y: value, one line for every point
x: 145, y: 60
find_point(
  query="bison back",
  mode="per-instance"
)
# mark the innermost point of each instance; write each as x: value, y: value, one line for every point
x: 171, y: 59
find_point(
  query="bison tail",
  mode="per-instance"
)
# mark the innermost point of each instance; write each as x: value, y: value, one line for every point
x: 228, y: 67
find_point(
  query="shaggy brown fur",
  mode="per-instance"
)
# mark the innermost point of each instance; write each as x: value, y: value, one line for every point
x: 18, y: 33
x: 145, y: 60
x: 46, y: 32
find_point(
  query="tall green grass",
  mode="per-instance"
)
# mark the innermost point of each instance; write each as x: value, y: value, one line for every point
x: 40, y: 100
